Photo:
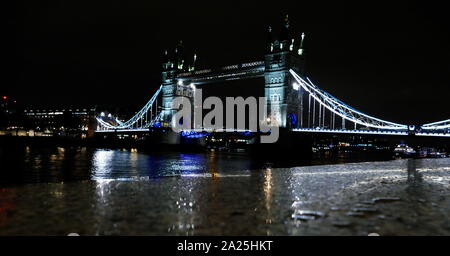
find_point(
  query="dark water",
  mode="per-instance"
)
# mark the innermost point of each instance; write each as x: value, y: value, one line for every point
x: 56, y: 191
x: 27, y: 164
x: 57, y: 164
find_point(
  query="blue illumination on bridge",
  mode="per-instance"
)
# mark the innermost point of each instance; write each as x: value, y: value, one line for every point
x: 293, y: 101
x: 367, y: 124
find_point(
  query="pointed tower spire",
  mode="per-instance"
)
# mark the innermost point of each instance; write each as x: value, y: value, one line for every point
x: 284, y: 33
x: 286, y: 21
x: 269, y: 34
x: 303, y: 38
x: 166, y: 57
x: 179, y: 55
x: 269, y: 40
x: 301, y: 50
x: 167, y: 60
x: 192, y: 66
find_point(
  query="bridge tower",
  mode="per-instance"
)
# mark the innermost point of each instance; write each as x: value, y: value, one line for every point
x: 284, y: 98
x: 169, y: 85
x: 172, y: 86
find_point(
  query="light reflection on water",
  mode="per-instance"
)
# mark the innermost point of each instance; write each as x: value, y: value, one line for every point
x: 36, y: 165
x: 132, y: 192
x: 123, y: 164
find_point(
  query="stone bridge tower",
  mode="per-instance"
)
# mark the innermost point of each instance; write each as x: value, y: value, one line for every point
x: 284, y: 99
x: 169, y: 84
x: 172, y: 86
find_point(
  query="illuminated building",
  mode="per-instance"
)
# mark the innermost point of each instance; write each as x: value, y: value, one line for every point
x: 77, y: 122
x: 62, y: 121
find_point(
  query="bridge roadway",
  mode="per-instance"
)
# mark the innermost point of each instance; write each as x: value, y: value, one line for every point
x: 303, y: 130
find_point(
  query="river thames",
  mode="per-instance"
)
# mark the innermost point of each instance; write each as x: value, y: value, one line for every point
x: 57, y: 191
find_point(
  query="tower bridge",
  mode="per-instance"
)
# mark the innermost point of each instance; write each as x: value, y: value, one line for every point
x: 293, y: 101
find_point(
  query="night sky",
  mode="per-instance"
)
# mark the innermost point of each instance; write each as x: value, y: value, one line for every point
x: 389, y: 59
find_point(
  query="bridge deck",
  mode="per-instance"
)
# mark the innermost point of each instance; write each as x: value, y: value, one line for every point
x: 346, y: 131
x: 304, y: 130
